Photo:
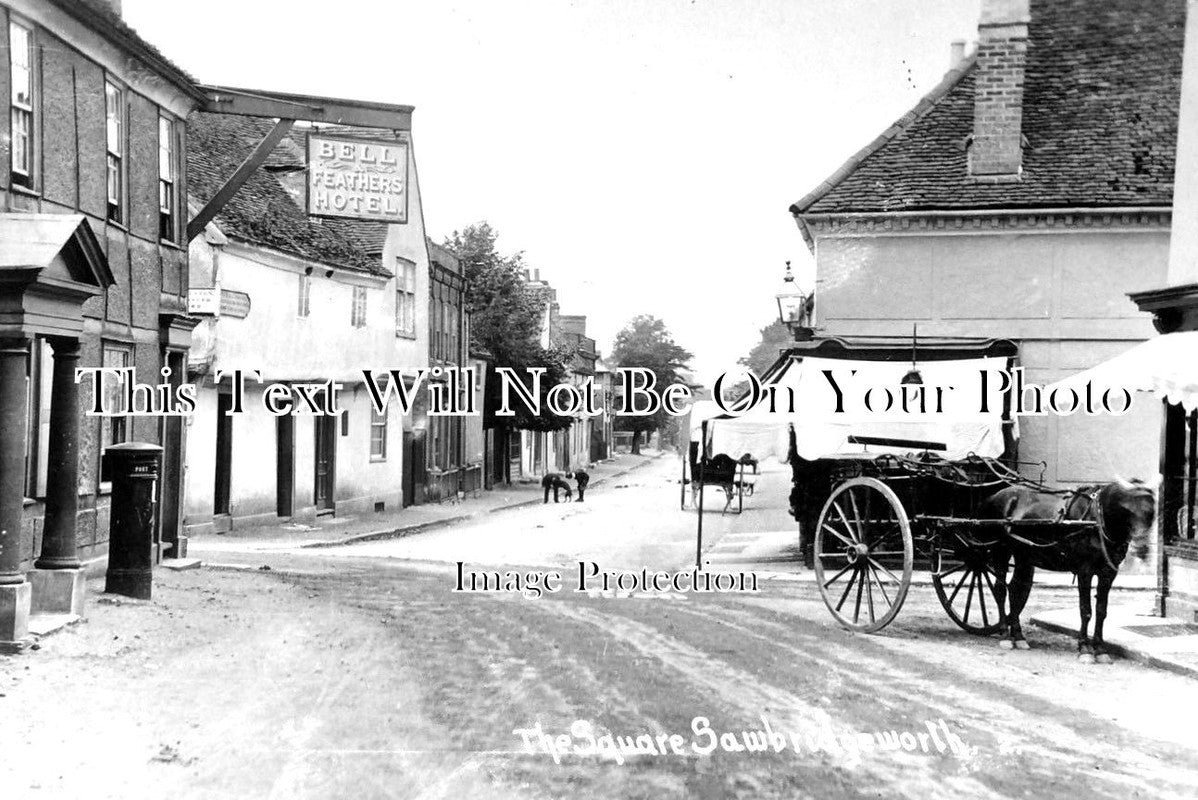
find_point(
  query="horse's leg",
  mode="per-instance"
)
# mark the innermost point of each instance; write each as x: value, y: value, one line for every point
x: 1021, y: 588
x: 1085, y: 652
x: 999, y: 562
x: 1105, y: 579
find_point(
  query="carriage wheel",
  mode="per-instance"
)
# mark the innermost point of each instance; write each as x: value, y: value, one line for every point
x: 966, y: 585
x: 863, y: 554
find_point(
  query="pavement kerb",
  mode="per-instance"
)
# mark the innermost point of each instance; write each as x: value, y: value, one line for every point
x: 1125, y: 651
x: 417, y: 527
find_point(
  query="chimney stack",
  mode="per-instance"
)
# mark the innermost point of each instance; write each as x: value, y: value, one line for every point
x: 997, y: 149
x: 956, y: 53
x: 115, y: 5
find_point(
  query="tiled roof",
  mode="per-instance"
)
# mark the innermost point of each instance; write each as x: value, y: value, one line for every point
x: 1100, y: 107
x: 263, y: 211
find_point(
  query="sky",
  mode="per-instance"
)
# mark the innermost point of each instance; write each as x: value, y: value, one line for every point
x: 642, y: 155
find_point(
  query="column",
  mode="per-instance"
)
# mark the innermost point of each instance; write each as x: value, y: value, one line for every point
x: 62, y: 468
x: 58, y: 580
x: 14, y: 591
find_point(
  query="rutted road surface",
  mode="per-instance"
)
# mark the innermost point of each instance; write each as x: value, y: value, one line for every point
x: 359, y: 673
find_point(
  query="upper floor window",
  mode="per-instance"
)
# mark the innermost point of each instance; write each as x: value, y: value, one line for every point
x: 20, y: 41
x: 358, y: 317
x: 115, y: 115
x: 405, y: 299
x: 305, y: 295
x: 166, y: 179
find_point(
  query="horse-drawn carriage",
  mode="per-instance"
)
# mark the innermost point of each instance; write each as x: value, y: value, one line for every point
x: 877, y: 500
x: 721, y: 471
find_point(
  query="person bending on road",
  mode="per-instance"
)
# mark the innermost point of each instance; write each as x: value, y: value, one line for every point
x: 583, y: 478
x: 557, y: 483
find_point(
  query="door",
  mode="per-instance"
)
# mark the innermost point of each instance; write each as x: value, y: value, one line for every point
x: 285, y: 466
x: 224, y: 455
x: 170, y: 484
x: 326, y: 452
x: 409, y: 473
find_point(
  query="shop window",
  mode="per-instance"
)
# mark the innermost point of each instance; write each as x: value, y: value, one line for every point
x: 113, y: 429
x: 20, y: 39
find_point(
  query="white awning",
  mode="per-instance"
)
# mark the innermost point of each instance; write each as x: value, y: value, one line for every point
x: 958, y: 426
x: 1167, y: 366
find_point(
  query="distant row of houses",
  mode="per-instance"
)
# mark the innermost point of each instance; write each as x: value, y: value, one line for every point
x: 153, y: 222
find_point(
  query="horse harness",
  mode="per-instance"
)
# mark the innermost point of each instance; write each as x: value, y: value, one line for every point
x: 1090, y: 495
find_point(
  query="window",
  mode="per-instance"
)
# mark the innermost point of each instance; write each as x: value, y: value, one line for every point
x: 114, y: 109
x: 443, y: 443
x: 305, y: 295
x: 358, y: 317
x: 166, y: 179
x: 405, y: 299
x: 20, y: 41
x: 378, y: 435
x: 113, y: 430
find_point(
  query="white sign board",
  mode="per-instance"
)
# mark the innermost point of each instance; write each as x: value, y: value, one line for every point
x: 365, y: 179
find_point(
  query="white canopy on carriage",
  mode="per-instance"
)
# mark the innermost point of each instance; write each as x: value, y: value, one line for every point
x: 1167, y: 366
x: 799, y: 394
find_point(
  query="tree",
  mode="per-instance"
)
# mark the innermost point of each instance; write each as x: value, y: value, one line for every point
x: 645, y: 342
x: 775, y: 338
x: 506, y: 320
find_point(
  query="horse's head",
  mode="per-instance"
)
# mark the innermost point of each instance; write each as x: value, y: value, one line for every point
x: 1130, y: 509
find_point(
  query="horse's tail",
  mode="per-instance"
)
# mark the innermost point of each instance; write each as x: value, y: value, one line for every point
x: 1096, y: 504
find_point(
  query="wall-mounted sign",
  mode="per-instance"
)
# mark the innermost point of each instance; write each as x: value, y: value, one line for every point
x: 364, y: 179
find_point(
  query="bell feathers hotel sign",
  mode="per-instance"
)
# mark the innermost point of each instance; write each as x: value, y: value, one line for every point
x: 364, y: 179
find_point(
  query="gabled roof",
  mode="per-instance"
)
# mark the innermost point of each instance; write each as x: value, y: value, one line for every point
x: 264, y: 211
x: 1100, y: 106
x: 36, y: 241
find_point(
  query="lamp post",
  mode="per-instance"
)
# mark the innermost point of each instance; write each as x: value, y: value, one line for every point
x: 796, y: 308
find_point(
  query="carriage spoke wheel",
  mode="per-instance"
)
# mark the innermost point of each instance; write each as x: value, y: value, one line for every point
x: 967, y: 587
x: 863, y: 554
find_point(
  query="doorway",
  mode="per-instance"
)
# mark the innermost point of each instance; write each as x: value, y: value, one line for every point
x: 326, y: 461
x: 224, y: 455
x: 285, y: 466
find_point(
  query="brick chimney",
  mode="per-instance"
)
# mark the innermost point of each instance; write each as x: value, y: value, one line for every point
x: 997, y: 149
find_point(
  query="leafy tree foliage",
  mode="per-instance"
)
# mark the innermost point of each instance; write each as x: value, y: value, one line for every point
x: 506, y: 319
x: 646, y: 342
x: 775, y: 338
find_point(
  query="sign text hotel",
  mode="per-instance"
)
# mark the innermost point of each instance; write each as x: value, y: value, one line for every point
x: 358, y: 178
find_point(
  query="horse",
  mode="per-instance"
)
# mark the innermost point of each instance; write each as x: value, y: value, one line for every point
x: 719, y: 470
x: 1123, y: 514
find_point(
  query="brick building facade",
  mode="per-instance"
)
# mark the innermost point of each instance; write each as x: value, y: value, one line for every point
x: 94, y: 273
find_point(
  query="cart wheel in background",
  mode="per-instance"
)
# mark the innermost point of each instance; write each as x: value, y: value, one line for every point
x: 965, y: 583
x: 863, y: 554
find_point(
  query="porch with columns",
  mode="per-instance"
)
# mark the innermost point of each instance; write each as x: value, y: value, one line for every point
x: 50, y: 264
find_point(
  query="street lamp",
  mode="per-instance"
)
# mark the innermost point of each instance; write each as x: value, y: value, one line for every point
x: 795, y: 308
x: 913, y: 377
